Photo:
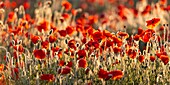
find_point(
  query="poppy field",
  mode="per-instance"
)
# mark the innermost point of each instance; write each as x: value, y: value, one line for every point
x: 84, y: 42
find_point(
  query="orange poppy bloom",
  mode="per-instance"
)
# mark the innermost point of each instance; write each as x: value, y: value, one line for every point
x: 64, y: 70
x: 152, y: 58
x: 116, y: 74
x: 67, y: 5
x: 165, y: 59
x: 82, y: 63
x: 107, y: 34
x: 141, y: 58
x: 123, y: 34
x: 47, y: 77
x: 11, y: 16
x: 153, y: 23
x: 2, y: 80
x: 74, y: 12
x: 35, y: 39
x: 1, y: 67
x: 52, y: 38
x: 146, y: 37
x: 39, y: 54
x: 44, y: 25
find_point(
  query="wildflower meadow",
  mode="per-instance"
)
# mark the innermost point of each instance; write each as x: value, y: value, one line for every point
x: 84, y: 42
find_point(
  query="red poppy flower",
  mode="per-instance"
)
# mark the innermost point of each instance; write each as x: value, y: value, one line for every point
x: 62, y: 33
x: 52, y: 38
x: 92, y: 19
x: 146, y: 10
x: 102, y: 74
x: 153, y: 23
x: 64, y: 70
x: 47, y: 77
x: 109, y: 43
x: 141, y: 58
x: 15, y: 71
x: 39, y: 54
x: 136, y: 37
x: 82, y: 63
x: 97, y: 36
x: 69, y: 30
x: 145, y: 38
x: 65, y: 15
x: 116, y: 74
x: 84, y: 40
x: 70, y: 64
x: 19, y: 48
x: 11, y: 16
x: 44, y: 25
x: 1, y: 67
x: 45, y: 44
x: 117, y: 41
x: 72, y: 44
x: 61, y: 63
x: 152, y: 58
x: 116, y: 49
x: 123, y: 34
x: 165, y: 59
x: 67, y: 5
x: 107, y: 34
x: 158, y: 54
x: 140, y: 31
x: 13, y: 4
x: 26, y: 5
x: 35, y: 39
x: 74, y: 12
x: 81, y: 54
x: 131, y: 53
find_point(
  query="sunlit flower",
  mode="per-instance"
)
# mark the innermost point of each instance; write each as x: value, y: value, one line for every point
x: 116, y: 74
x: 153, y: 23
x: 1, y: 67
